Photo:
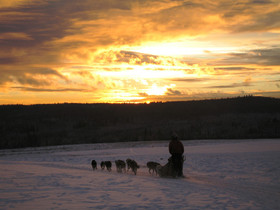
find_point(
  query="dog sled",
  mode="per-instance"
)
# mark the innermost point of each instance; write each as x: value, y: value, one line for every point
x: 168, y: 170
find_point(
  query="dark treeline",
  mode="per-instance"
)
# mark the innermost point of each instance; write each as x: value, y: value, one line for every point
x: 57, y: 124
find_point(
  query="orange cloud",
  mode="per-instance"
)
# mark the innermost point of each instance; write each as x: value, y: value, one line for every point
x: 117, y: 49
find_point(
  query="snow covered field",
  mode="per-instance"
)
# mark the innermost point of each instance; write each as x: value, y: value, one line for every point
x: 232, y: 174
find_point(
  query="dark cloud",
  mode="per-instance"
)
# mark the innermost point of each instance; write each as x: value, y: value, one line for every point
x: 264, y: 22
x: 29, y: 76
x: 249, y: 16
x: 236, y: 68
x: 275, y: 94
x: 143, y: 94
x: 50, y: 90
x: 237, y: 16
x: 39, y: 21
x: 190, y: 79
x: 36, y: 26
x: 261, y: 2
x: 262, y: 57
x: 137, y: 58
x: 133, y: 58
x: 233, y: 85
x: 44, y: 21
x: 8, y: 60
x: 170, y: 91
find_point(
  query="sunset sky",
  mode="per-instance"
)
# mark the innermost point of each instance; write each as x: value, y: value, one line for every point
x: 92, y: 51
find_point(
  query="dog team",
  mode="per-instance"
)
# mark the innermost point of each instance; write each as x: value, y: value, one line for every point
x: 122, y: 166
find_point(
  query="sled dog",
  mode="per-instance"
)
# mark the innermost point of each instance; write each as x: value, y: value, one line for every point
x: 152, y: 166
x: 102, y: 165
x: 133, y: 165
x: 106, y: 164
x: 128, y: 161
x: 120, y: 165
x: 94, y: 165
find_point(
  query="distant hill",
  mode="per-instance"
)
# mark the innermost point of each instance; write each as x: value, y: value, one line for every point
x: 56, y: 124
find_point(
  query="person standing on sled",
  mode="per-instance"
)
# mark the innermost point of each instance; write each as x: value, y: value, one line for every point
x: 176, y: 149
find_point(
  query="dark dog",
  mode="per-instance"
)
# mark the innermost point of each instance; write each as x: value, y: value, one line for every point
x: 94, y: 165
x: 133, y: 165
x: 102, y: 165
x: 128, y: 161
x: 120, y: 165
x: 152, y: 166
x: 106, y: 164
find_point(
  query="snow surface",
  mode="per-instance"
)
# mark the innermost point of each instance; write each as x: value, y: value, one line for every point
x: 231, y: 174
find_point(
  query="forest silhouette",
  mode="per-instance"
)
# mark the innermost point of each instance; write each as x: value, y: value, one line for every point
x: 247, y: 117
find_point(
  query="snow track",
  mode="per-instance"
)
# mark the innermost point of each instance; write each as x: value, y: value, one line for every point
x: 242, y: 174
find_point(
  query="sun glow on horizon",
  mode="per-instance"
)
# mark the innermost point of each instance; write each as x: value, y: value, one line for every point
x: 156, y: 90
x: 179, y: 49
x: 145, y: 72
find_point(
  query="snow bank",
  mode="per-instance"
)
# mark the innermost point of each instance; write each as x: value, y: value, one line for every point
x: 239, y: 174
